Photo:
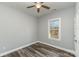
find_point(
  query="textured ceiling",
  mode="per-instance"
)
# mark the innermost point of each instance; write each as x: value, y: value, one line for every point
x: 32, y: 11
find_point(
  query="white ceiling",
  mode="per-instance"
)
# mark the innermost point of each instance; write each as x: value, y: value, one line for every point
x: 32, y: 11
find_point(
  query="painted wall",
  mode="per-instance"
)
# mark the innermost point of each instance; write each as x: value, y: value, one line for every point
x: 67, y: 30
x: 16, y: 29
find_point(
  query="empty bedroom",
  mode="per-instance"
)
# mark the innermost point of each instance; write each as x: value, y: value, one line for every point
x: 39, y: 29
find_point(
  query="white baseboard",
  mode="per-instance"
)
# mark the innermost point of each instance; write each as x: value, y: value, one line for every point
x: 70, y: 51
x: 5, y: 53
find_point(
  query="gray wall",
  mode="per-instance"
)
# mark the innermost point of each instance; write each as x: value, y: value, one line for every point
x: 67, y: 30
x: 16, y: 29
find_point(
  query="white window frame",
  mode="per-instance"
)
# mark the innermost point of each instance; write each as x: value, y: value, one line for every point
x: 59, y: 29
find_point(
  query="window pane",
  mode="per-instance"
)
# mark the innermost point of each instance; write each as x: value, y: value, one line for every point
x: 54, y: 28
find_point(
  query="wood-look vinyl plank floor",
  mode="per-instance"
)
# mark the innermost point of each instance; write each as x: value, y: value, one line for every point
x: 39, y: 50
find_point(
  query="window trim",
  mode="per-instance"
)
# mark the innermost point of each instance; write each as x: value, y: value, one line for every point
x: 59, y: 29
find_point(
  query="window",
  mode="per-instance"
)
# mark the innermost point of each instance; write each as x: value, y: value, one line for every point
x: 54, y: 28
